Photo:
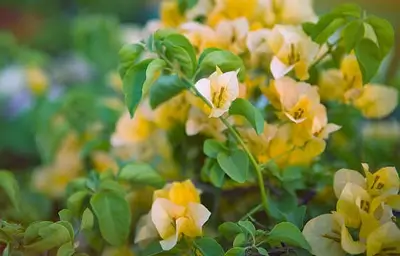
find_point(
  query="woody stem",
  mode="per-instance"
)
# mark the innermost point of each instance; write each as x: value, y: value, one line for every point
x: 239, y: 139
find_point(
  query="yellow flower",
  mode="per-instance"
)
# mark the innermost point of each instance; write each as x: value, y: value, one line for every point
x: 351, y: 72
x: 52, y: 179
x: 173, y: 112
x: 199, y: 123
x: 258, y: 144
x: 385, y: 240
x: 257, y: 44
x: 297, y: 100
x: 233, y: 34
x: 220, y: 89
x: 37, y: 80
x: 232, y: 9
x: 376, y: 101
x: 383, y: 130
x: 292, y: 50
x: 385, y: 181
x: 170, y: 14
x: 130, y: 131
x: 176, y: 212
x: 294, y: 12
x: 323, y: 233
x: 328, y: 235
x: 332, y: 85
x: 201, y: 36
x: 103, y: 162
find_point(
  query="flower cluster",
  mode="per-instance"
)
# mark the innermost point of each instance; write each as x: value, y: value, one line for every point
x: 363, y: 220
x: 176, y: 212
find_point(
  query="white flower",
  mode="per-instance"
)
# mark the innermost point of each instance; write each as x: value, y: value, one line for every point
x: 220, y: 90
x: 292, y: 49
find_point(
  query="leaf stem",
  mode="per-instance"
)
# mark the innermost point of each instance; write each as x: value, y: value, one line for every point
x: 234, y: 133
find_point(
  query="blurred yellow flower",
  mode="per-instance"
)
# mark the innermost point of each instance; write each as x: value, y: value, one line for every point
x: 102, y: 162
x: 37, y: 80
x: 176, y: 212
x: 232, y: 9
x: 292, y: 50
x: 129, y: 131
x: 172, y: 113
x: 199, y: 123
x: 170, y: 14
x: 220, y: 89
x: 376, y: 101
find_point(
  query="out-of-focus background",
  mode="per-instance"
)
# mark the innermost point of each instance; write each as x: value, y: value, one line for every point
x: 64, y: 44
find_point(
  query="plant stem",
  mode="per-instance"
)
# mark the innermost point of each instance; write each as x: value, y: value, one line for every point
x: 234, y: 133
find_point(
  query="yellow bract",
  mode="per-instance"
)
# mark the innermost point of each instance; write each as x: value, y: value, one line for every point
x: 220, y: 90
x: 176, y: 211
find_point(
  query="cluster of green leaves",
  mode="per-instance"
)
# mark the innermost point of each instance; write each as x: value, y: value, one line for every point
x: 173, y: 70
x: 370, y: 37
x: 248, y: 239
x: 98, y: 203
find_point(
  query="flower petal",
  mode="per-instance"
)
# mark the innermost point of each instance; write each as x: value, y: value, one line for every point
x: 344, y: 176
x: 278, y: 68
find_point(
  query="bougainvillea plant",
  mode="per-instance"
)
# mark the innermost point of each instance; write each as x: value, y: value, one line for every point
x: 241, y: 121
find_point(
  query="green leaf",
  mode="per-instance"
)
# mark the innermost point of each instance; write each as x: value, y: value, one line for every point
x: 114, y: 216
x: 208, y: 247
x: 326, y: 27
x: 225, y: 60
x: 217, y: 175
x: 112, y: 185
x: 229, y: 229
x: 248, y: 227
x: 154, y: 248
x: 236, y: 251
x: 240, y: 240
x: 262, y: 251
x: 66, y: 249
x: 297, y: 216
x: 288, y: 233
x: 308, y: 28
x: 351, y: 10
x: 52, y: 236
x: 65, y: 214
x: 384, y: 33
x: 181, y: 52
x: 352, y: 34
x: 243, y: 107
x: 32, y: 231
x: 234, y: 164
x: 165, y: 88
x: 87, y: 219
x: 206, y: 52
x: 369, y: 58
x: 211, y: 148
x: 75, y: 201
x: 153, y: 72
x: 69, y: 227
x: 128, y: 55
x: 9, y: 185
x: 141, y: 174
x: 133, y: 83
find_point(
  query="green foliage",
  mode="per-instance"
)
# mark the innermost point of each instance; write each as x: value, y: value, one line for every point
x: 212, y: 147
x: 288, y: 233
x: 113, y: 215
x: 153, y: 72
x: 208, y: 247
x: 45, y: 236
x: 352, y: 34
x: 9, y: 186
x: 165, y: 88
x: 128, y: 56
x: 225, y: 60
x: 235, y: 164
x: 133, y: 84
x: 384, y: 33
x: 244, y: 108
x: 141, y: 175
x: 368, y: 55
